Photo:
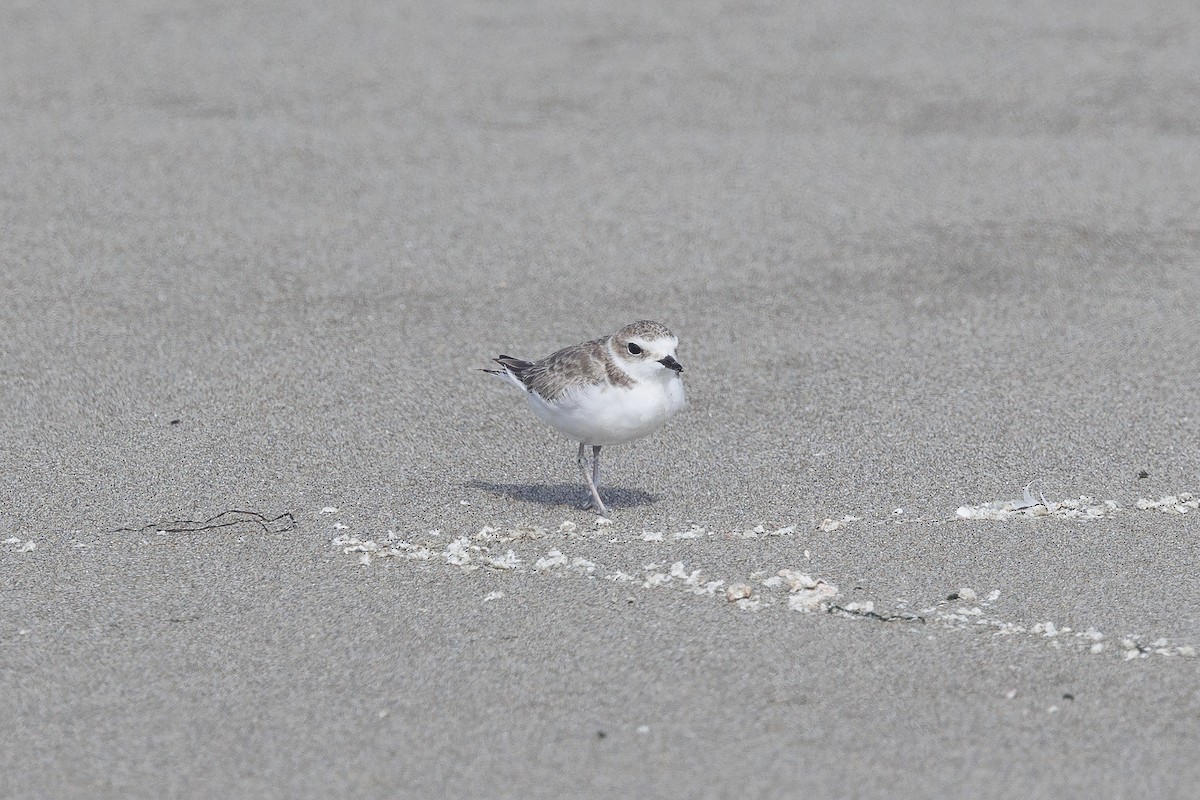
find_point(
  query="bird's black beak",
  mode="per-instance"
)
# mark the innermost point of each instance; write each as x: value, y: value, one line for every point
x: 670, y: 363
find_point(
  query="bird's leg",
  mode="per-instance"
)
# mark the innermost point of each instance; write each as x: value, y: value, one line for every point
x: 595, y: 503
x: 596, y: 466
x: 581, y: 460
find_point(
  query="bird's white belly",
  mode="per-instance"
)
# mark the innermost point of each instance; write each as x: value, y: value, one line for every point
x: 611, y: 415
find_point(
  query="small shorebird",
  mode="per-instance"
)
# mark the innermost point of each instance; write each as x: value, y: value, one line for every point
x: 610, y: 390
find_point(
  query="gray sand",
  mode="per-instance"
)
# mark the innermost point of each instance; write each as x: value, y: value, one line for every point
x: 918, y: 256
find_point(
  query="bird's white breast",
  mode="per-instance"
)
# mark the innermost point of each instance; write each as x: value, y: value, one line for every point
x: 604, y: 414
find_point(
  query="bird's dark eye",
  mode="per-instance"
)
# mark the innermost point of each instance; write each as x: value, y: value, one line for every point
x: 634, y: 350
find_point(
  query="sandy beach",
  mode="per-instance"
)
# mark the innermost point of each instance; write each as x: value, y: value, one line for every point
x: 927, y: 529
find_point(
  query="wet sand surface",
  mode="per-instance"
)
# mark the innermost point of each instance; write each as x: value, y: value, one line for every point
x: 917, y: 256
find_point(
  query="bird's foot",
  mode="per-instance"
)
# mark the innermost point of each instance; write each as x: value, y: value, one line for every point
x: 590, y: 505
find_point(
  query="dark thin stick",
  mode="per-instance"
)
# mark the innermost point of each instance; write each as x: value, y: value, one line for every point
x: 288, y: 522
x: 854, y: 612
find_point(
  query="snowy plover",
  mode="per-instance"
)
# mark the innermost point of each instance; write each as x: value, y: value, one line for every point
x: 607, y: 391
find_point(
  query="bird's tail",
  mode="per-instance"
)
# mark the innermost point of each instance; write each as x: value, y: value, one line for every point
x: 513, y: 370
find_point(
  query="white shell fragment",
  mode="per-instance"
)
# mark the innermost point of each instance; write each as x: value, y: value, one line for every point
x: 655, y: 579
x: 798, y: 580
x: 812, y: 599
x: 829, y: 525
x: 806, y: 592
x: 583, y: 565
x: 553, y: 559
x: 456, y: 552
x: 507, y: 561
x: 1047, y: 629
x: 739, y: 591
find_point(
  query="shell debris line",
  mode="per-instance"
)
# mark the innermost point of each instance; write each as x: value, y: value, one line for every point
x: 965, y: 609
x: 546, y: 551
x: 759, y: 531
x: 785, y: 587
x: 1182, y: 503
x: 1083, y: 507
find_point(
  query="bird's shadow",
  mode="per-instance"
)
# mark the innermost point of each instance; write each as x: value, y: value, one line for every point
x: 564, y: 494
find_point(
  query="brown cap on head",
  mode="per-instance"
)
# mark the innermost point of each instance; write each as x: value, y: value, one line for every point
x: 644, y: 329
